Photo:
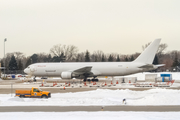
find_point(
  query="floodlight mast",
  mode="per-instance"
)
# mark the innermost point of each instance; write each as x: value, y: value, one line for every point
x: 4, y: 57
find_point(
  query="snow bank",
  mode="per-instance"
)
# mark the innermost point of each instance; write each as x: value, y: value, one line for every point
x: 99, y: 97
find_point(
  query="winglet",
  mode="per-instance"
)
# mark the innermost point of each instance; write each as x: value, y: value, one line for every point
x: 147, y: 56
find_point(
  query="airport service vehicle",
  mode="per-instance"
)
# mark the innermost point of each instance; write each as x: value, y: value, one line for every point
x: 83, y: 70
x: 33, y: 93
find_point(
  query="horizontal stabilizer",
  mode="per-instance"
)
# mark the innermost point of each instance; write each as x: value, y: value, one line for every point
x: 147, y: 66
x: 160, y: 65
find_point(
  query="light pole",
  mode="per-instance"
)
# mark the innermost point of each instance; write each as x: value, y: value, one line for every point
x: 4, y: 57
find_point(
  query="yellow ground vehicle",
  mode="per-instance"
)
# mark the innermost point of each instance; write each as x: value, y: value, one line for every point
x: 34, y: 92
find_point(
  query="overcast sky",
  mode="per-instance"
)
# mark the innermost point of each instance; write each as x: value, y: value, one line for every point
x: 113, y: 26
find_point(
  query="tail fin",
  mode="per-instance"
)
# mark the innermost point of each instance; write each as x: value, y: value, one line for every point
x: 147, y: 56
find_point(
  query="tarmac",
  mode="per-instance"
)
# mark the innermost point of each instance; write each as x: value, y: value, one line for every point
x: 61, y: 90
x: 10, y: 86
x: 89, y: 108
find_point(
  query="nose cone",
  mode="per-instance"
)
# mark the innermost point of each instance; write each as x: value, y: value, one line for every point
x: 26, y: 71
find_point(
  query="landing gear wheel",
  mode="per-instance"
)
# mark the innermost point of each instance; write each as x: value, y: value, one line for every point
x: 95, y: 80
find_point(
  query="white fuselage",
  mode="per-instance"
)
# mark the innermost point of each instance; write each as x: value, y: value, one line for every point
x: 98, y: 68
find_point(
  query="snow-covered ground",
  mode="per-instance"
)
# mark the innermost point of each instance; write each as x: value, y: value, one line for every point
x: 99, y: 97
x: 90, y: 115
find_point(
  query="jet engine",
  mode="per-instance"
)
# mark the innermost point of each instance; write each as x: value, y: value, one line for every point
x: 69, y: 75
x: 66, y: 75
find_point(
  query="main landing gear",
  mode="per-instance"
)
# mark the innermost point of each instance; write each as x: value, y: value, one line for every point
x: 93, y: 80
x: 96, y: 80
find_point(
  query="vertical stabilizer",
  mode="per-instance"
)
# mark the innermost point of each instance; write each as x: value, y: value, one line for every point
x: 147, y: 56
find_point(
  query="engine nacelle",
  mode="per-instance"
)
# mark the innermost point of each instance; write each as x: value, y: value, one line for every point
x: 66, y: 75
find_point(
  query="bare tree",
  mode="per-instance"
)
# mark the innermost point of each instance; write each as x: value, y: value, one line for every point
x: 145, y: 46
x: 97, y: 56
x: 28, y: 61
x: 112, y: 57
x: 19, y: 55
x: 167, y: 60
x: 19, y: 58
x: 69, y: 51
x: 136, y: 55
x: 162, y: 47
x: 80, y: 57
x: 124, y: 57
x: 42, y: 57
x: 7, y: 59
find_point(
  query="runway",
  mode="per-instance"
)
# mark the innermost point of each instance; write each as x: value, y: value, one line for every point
x: 88, y: 108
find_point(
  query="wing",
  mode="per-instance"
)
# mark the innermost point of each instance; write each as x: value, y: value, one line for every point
x: 85, y: 71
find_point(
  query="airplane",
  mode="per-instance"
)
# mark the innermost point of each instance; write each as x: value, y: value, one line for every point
x: 84, y: 70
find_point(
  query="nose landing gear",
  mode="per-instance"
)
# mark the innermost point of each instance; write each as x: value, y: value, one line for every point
x: 34, y: 79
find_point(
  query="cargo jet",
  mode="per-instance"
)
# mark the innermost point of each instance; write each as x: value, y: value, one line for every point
x: 83, y: 70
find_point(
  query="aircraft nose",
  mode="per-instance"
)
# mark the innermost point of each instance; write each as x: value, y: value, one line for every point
x: 26, y: 71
